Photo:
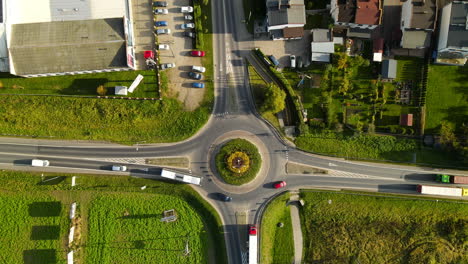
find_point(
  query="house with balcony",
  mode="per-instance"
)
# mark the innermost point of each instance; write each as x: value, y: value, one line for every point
x: 452, y: 47
x: 360, y: 17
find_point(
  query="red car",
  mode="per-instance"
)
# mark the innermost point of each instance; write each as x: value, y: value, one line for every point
x: 197, y: 53
x: 252, y: 230
x: 279, y: 184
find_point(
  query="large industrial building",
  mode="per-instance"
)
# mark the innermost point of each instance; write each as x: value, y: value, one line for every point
x: 60, y: 37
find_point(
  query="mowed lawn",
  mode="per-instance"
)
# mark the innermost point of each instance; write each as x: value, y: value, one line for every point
x: 277, y: 244
x: 117, y: 222
x: 346, y: 228
x: 126, y: 228
x: 81, y: 84
x: 447, y: 96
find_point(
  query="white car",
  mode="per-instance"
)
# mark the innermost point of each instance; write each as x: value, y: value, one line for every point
x: 186, y: 9
x: 161, y: 12
x: 119, y: 168
x: 163, y: 47
x: 198, y: 68
x: 40, y: 163
x: 165, y: 66
x: 187, y: 26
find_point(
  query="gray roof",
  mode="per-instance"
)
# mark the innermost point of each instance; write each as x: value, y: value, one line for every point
x: 416, y: 39
x: 68, y: 46
x: 359, y: 33
x: 321, y: 35
x: 424, y: 14
x: 389, y: 69
x: 288, y: 12
x: 458, y: 29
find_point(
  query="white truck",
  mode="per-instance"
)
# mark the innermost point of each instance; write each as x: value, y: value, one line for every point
x: 180, y: 177
x: 253, y: 245
x: 446, y: 191
x: 40, y: 163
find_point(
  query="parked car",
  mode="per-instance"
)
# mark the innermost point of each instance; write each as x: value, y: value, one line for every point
x: 292, y: 58
x: 274, y: 60
x: 161, y: 12
x: 159, y: 3
x: 187, y: 26
x: 223, y: 197
x: 186, y: 9
x: 198, y: 85
x: 280, y: 184
x: 165, y: 66
x: 197, y: 53
x: 189, y: 34
x: 119, y: 168
x: 163, y: 46
x: 160, y: 24
x: 196, y: 76
x: 299, y: 62
x: 163, y: 31
x: 198, y: 69
x: 188, y: 17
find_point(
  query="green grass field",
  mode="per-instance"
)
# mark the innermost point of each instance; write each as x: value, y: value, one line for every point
x: 120, y: 223
x: 373, y: 147
x: 121, y: 121
x: 277, y: 245
x: 82, y: 84
x: 366, y: 229
x: 447, y: 96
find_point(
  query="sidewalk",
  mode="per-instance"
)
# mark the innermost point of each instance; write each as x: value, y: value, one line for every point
x: 296, y: 225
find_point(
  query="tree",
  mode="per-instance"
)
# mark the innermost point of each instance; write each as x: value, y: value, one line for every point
x: 274, y: 99
x: 342, y: 61
x: 101, y: 90
x: 344, y: 86
x: 447, y: 135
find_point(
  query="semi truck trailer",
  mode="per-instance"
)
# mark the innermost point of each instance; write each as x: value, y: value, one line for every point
x: 253, y: 245
x: 452, y: 179
x: 445, y: 191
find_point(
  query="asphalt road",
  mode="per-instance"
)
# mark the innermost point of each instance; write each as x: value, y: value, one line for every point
x: 233, y: 111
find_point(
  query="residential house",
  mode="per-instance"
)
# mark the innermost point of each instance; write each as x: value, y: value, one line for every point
x: 418, y: 20
x: 285, y: 19
x: 322, y: 45
x: 360, y: 16
x: 452, y: 47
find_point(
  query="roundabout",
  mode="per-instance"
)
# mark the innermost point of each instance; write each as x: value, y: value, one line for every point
x: 238, y: 161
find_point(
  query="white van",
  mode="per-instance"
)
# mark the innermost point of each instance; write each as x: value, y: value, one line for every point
x: 40, y: 163
x: 119, y: 168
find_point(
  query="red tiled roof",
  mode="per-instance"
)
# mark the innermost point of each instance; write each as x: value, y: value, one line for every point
x: 368, y: 12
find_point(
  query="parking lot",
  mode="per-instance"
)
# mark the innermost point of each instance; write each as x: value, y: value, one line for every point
x: 180, y: 84
x: 282, y: 49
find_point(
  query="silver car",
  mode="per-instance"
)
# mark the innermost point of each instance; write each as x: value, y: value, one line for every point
x: 165, y: 66
x: 163, y: 31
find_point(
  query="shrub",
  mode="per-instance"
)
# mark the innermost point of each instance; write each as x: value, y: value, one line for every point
x: 233, y: 146
x: 101, y: 90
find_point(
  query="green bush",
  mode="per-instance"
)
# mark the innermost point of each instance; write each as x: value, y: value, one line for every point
x: 231, y: 147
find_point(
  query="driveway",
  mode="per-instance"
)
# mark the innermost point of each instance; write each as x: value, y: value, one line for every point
x: 282, y: 49
x: 180, y: 85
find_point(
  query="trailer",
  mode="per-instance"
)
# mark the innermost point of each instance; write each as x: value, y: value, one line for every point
x: 446, y: 191
x: 253, y: 245
x: 452, y: 179
x: 180, y: 177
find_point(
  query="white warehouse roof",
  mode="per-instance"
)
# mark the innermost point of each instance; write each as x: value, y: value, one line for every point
x: 27, y: 11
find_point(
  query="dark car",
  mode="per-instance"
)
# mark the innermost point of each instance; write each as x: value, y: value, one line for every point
x: 223, y: 197
x: 194, y: 75
x: 160, y: 23
x: 198, y: 85
x: 160, y: 3
x: 279, y: 184
x: 189, y: 34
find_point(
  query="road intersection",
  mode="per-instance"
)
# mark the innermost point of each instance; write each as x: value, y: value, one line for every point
x: 234, y: 115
